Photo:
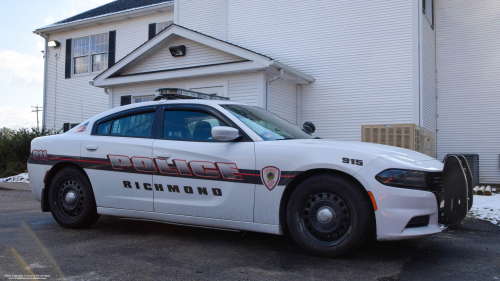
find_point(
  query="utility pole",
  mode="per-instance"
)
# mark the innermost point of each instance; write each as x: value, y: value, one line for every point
x: 37, y: 109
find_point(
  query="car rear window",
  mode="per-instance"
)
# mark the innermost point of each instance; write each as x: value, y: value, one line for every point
x: 138, y: 125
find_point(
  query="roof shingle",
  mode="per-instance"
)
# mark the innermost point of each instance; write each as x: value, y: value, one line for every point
x: 113, y: 7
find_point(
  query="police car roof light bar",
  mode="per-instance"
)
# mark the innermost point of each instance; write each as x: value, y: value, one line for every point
x: 176, y: 93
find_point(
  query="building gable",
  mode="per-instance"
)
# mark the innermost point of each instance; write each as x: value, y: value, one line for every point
x: 197, y: 55
x: 205, y: 55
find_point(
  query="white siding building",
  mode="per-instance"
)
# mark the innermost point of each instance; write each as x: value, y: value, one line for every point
x: 340, y: 64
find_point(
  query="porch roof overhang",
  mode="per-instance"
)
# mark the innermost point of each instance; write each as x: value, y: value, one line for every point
x: 250, y: 62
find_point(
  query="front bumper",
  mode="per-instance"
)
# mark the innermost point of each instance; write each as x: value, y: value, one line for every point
x: 446, y: 202
x: 398, y: 206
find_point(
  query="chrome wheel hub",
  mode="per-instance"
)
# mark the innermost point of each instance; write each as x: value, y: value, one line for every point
x: 326, y: 215
x: 70, y: 197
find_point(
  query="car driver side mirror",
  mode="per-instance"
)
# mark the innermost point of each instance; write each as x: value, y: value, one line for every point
x: 308, y: 127
x: 224, y: 133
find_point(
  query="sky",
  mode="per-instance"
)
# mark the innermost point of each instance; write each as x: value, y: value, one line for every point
x: 21, y: 57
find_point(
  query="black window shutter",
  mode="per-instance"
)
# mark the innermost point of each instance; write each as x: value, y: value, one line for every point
x: 67, y: 70
x: 152, y: 31
x: 126, y: 100
x: 112, y: 48
x: 65, y: 127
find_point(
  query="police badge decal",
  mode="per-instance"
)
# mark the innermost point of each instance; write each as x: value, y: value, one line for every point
x: 270, y: 177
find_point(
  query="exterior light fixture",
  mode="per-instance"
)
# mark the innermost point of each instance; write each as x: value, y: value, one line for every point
x: 53, y: 44
x: 178, y: 51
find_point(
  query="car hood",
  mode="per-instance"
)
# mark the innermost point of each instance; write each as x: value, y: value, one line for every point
x: 380, y: 150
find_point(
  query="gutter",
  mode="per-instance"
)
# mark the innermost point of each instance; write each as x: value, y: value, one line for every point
x: 292, y: 71
x: 45, y: 56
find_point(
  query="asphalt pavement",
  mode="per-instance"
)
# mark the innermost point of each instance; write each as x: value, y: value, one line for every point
x: 32, y: 243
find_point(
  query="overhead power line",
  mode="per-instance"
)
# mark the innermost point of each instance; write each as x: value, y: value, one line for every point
x: 12, y: 110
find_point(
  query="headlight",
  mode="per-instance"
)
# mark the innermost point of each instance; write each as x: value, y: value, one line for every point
x: 403, y: 178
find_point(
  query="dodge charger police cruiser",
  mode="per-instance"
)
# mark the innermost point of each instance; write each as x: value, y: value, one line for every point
x: 197, y: 159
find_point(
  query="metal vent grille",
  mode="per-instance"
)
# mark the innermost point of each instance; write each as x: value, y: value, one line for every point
x: 409, y: 136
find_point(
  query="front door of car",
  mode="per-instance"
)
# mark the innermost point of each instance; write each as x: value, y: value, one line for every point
x: 199, y: 176
x: 117, y: 157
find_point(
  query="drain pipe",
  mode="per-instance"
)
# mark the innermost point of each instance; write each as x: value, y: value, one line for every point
x: 268, y: 88
x: 45, y: 54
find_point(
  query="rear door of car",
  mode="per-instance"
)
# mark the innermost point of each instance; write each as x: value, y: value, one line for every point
x: 118, y: 159
x: 199, y: 176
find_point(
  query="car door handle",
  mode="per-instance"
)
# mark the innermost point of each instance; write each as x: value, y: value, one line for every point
x: 91, y: 147
x: 163, y: 155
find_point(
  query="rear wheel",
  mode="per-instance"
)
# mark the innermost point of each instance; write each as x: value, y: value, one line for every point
x: 328, y: 215
x: 71, y: 199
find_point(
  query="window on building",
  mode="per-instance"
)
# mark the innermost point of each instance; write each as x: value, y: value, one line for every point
x: 428, y: 10
x: 90, y: 54
x: 143, y: 99
x: 162, y: 25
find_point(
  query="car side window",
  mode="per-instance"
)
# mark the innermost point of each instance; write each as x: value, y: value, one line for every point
x: 137, y: 125
x: 103, y: 129
x: 189, y: 125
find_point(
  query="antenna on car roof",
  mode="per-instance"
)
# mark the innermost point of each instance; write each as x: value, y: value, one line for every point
x: 177, y: 94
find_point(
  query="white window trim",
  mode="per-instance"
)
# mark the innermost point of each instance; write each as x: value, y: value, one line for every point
x: 144, y: 96
x: 156, y: 27
x: 89, y: 56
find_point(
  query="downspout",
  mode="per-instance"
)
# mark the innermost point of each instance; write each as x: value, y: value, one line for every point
x: 268, y: 88
x: 45, y: 54
x: 110, y: 99
x: 421, y: 66
x: 299, y: 105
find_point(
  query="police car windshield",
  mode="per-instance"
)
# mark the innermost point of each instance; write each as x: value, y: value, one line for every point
x: 266, y: 124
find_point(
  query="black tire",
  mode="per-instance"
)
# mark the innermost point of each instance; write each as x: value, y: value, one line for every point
x: 71, y: 199
x: 329, y: 215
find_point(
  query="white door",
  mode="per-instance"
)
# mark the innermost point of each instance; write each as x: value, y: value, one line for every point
x: 118, y: 160
x: 199, y: 176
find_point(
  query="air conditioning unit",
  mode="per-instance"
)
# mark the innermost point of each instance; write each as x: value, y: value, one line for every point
x: 409, y: 136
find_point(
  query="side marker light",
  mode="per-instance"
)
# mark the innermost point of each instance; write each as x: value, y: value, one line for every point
x: 373, y: 201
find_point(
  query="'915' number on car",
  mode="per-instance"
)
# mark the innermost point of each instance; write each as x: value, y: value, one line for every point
x: 352, y: 161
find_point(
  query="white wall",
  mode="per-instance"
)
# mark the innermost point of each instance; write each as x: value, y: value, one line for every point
x: 428, y: 91
x: 283, y: 99
x: 204, y: 16
x: 196, y: 54
x: 76, y: 100
x: 468, y: 65
x: 245, y: 88
x: 359, y: 52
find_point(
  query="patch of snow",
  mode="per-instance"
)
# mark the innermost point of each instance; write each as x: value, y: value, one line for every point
x: 486, y: 208
x: 19, y: 178
x: 35, y: 265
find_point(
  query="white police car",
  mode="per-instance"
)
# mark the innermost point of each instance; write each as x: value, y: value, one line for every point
x: 210, y: 162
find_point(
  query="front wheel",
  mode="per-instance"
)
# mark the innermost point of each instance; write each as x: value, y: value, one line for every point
x: 71, y: 199
x: 328, y: 215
